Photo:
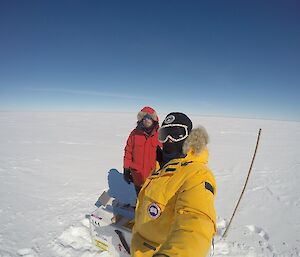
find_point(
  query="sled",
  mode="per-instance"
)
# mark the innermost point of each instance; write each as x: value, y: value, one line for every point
x: 111, y: 225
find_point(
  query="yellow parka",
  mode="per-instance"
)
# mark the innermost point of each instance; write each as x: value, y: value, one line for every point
x: 175, y: 213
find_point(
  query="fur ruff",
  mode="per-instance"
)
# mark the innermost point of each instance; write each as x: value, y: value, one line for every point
x: 196, y: 141
x: 141, y: 115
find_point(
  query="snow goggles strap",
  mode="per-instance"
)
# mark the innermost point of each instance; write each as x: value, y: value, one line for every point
x: 175, y: 132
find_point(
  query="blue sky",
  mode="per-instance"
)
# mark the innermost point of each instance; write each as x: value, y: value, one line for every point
x: 228, y: 58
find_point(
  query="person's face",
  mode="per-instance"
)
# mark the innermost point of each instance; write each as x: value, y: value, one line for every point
x: 147, y: 121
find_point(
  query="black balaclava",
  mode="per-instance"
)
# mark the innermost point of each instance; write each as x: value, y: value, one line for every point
x: 173, y: 150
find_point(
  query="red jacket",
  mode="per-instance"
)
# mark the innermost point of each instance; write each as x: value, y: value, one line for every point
x: 140, y: 154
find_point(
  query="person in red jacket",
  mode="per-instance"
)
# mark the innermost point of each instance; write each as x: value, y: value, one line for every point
x: 140, y: 150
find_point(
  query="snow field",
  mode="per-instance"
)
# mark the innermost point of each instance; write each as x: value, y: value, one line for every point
x: 53, y: 166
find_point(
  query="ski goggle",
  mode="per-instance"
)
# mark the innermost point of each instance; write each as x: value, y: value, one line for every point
x: 148, y: 116
x: 175, y: 132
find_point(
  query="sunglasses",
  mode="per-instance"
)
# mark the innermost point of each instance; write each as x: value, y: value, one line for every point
x: 175, y: 132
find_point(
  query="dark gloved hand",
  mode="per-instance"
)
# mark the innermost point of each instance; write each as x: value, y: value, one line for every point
x: 127, y: 175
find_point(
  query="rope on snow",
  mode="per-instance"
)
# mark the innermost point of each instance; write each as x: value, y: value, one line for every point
x: 257, y: 142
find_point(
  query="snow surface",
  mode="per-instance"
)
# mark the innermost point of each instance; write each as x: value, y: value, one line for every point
x: 53, y: 167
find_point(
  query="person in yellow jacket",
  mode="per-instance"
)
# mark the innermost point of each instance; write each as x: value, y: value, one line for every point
x: 175, y: 214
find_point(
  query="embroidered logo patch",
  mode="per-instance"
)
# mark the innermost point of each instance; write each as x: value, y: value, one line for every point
x: 169, y: 119
x: 154, y: 211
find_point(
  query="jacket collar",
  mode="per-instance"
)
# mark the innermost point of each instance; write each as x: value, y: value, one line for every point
x: 202, y: 157
x: 190, y: 157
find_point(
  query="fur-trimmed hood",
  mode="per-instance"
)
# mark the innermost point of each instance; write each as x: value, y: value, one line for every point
x: 147, y: 110
x: 196, y: 142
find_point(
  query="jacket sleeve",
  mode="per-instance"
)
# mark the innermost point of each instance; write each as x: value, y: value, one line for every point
x: 195, y: 222
x: 128, y: 152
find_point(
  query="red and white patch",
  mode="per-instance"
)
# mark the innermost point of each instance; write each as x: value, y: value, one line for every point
x: 154, y: 211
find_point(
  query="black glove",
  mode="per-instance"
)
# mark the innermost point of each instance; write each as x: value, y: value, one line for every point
x: 127, y: 175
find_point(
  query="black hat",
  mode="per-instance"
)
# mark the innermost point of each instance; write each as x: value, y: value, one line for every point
x: 178, y: 118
